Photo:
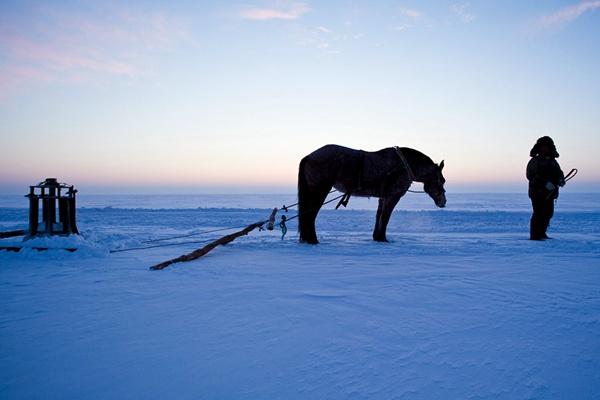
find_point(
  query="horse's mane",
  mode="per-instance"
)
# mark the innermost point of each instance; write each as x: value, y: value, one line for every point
x: 416, y: 155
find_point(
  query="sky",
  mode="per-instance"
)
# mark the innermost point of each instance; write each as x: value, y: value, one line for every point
x: 227, y: 97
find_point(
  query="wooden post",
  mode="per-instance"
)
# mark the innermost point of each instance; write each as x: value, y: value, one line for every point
x: 51, y: 208
x: 63, y: 214
x: 34, y: 210
x: 55, y: 198
x: 45, y: 210
x: 72, y: 211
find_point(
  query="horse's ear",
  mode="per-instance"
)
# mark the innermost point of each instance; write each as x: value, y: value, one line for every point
x: 442, y: 165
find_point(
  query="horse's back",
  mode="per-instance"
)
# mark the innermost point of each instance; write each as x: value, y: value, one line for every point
x: 330, y: 150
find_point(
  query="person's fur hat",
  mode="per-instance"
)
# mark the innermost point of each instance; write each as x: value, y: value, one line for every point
x: 544, y: 140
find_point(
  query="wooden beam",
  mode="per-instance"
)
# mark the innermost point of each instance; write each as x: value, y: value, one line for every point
x: 271, y: 222
x: 4, y: 235
x: 200, y: 252
x: 19, y: 248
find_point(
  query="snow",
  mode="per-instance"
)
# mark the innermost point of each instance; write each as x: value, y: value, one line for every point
x: 459, y: 305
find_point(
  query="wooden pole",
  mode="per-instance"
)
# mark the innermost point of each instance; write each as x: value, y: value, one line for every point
x: 200, y: 252
x: 8, y: 234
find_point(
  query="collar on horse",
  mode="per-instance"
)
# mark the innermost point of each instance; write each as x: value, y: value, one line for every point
x: 411, y: 176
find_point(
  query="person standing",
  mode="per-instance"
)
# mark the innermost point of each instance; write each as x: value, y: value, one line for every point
x: 545, y: 177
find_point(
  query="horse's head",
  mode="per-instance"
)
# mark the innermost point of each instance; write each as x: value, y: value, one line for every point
x: 433, y: 184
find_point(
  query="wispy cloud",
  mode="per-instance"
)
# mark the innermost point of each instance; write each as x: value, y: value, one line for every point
x: 325, y: 38
x: 287, y: 12
x: 410, y: 18
x: 567, y: 14
x: 55, y: 45
x: 462, y: 11
x: 410, y: 13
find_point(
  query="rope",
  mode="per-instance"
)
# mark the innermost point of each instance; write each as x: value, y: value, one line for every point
x: 158, y: 245
x: 285, y: 208
x: 312, y: 209
x: 282, y: 226
x: 284, y: 219
x: 192, y: 234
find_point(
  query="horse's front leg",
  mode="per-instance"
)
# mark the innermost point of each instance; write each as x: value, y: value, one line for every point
x: 384, y: 212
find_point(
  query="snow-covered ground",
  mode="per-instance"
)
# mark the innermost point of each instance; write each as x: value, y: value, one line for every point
x: 460, y: 305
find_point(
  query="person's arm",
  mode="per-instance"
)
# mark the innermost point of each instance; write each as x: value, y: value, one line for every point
x: 532, y: 169
x: 560, y: 175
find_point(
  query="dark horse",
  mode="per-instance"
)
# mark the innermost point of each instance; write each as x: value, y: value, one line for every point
x: 386, y: 174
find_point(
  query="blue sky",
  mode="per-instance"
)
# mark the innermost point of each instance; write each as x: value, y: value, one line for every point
x: 192, y: 97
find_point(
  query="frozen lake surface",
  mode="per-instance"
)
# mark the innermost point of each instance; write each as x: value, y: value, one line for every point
x: 411, y: 202
x: 459, y: 305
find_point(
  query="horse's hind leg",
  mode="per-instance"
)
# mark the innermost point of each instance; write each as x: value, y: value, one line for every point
x: 384, y: 212
x: 308, y: 214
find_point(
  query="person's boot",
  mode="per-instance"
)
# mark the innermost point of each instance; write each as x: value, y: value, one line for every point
x: 534, y: 233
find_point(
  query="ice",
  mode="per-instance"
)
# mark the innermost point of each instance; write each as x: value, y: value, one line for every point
x: 459, y: 305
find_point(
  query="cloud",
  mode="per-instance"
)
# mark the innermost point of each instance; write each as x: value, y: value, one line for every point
x: 462, y: 11
x: 53, y: 45
x: 52, y: 56
x: 410, y: 13
x: 567, y: 14
x: 323, y: 38
x: 290, y: 12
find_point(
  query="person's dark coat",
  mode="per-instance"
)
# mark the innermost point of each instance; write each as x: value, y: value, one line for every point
x: 545, y: 176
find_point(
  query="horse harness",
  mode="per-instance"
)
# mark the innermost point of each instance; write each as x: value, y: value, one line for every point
x: 411, y: 176
x: 346, y: 197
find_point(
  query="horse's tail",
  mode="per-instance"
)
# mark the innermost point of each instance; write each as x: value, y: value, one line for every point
x: 304, y: 203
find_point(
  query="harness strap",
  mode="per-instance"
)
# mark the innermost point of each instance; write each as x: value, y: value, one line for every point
x: 344, y: 200
x: 361, y: 167
x: 411, y: 176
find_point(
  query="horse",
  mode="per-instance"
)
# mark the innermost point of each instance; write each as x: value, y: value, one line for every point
x: 386, y: 174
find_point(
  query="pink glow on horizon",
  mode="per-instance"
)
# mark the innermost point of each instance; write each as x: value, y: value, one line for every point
x: 69, y: 46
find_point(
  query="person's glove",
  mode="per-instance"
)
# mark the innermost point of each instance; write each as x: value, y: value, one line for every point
x: 562, y: 183
x: 550, y: 186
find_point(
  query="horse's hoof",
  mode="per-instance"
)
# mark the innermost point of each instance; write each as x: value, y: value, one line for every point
x: 383, y: 240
